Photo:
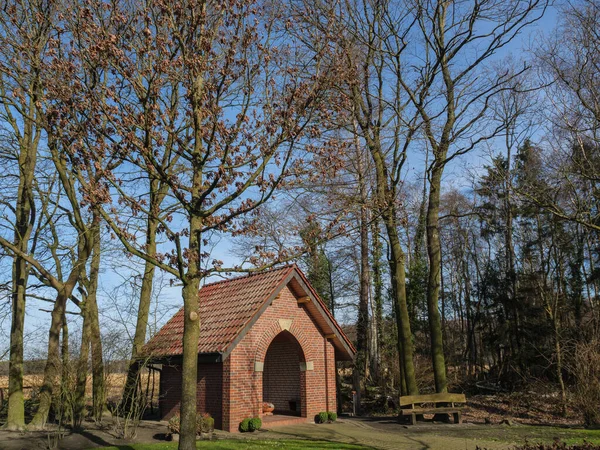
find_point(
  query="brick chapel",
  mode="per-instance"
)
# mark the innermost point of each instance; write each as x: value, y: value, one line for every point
x: 264, y: 337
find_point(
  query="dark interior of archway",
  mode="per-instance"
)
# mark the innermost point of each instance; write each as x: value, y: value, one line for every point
x: 281, y: 374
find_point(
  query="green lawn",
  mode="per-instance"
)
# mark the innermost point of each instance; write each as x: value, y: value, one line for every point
x: 241, y: 444
x: 577, y: 436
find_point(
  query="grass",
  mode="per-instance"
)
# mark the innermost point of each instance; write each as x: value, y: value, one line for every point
x: 578, y: 436
x: 240, y: 444
x: 522, y: 433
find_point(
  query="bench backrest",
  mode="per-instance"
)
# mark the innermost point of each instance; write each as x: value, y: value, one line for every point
x: 432, y: 398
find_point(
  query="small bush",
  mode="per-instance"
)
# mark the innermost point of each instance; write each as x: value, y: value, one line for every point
x: 332, y: 416
x: 255, y: 424
x: 322, y: 417
x: 204, y: 423
x: 244, y: 426
x: 210, y: 424
x: 174, y: 424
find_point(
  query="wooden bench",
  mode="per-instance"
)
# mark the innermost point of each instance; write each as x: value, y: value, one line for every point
x: 413, y: 405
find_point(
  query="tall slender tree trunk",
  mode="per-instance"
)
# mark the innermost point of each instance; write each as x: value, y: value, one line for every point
x: 82, y: 369
x: 16, y: 408
x: 52, y: 368
x: 191, y: 334
x: 385, y: 199
x: 373, y: 348
x: 133, y: 371
x: 64, y: 351
x: 511, y: 269
x: 398, y: 274
x: 98, y: 390
x: 377, y: 294
x: 433, y: 285
x: 362, y: 324
x: 191, y: 280
x: 63, y: 412
x: 20, y: 273
x: 157, y: 195
x: 559, y: 365
x: 26, y: 84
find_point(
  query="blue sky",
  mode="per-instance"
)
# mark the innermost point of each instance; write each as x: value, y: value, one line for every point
x: 169, y: 299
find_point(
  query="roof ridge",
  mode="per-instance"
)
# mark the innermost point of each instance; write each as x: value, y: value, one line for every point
x: 249, y: 275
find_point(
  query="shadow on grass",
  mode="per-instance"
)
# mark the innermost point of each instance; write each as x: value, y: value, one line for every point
x: 326, y: 435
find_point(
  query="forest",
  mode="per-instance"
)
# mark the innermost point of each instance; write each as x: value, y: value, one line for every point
x: 433, y: 166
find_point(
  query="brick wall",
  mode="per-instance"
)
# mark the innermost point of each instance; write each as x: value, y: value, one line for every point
x: 243, y: 390
x: 170, y: 391
x: 209, y: 391
x: 281, y: 374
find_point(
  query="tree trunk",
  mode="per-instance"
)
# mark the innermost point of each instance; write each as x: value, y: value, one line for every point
x: 64, y: 378
x: 133, y: 371
x: 52, y: 368
x: 373, y: 348
x: 559, y: 367
x: 386, y: 198
x: 20, y: 273
x: 16, y: 408
x: 98, y: 391
x: 191, y: 334
x: 377, y: 295
x: 64, y: 351
x: 397, y: 270
x: 157, y: 194
x: 433, y: 285
x: 362, y: 324
x: 82, y: 369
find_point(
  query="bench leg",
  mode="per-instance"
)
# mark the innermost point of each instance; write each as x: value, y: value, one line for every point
x: 457, y: 417
x: 413, y: 419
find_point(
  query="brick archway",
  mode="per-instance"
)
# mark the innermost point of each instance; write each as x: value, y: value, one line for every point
x: 275, y: 329
x: 293, y: 377
x: 283, y: 378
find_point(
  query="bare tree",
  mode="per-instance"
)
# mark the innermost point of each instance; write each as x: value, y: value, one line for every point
x: 228, y: 95
x: 451, y: 90
x: 369, y: 66
x: 25, y: 31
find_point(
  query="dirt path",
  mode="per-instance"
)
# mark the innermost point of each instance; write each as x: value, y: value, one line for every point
x: 92, y: 437
x: 379, y: 433
x: 389, y: 435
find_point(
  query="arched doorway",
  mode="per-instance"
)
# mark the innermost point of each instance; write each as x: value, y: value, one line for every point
x: 283, y: 381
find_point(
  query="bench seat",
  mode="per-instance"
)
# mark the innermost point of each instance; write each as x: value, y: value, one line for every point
x: 412, y: 405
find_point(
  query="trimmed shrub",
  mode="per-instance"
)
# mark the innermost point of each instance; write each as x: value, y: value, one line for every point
x: 244, y: 426
x: 204, y: 423
x: 332, y: 416
x: 255, y: 424
x: 210, y: 424
x: 322, y: 417
x: 174, y: 424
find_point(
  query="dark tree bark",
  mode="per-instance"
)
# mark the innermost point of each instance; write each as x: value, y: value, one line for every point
x: 98, y: 382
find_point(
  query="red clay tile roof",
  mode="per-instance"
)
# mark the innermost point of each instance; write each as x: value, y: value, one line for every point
x: 227, y: 307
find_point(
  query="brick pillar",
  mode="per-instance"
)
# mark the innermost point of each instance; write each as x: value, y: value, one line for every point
x: 226, y: 394
x: 303, y: 396
x: 330, y: 371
